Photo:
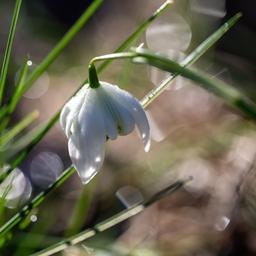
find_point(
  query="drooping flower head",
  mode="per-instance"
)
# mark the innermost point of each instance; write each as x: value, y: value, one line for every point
x: 94, y: 115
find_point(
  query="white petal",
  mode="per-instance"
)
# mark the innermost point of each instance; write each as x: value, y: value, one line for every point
x: 86, y: 145
x: 121, y: 116
x: 70, y: 111
x: 136, y: 110
x: 110, y: 126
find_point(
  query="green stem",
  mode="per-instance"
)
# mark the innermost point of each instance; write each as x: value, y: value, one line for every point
x: 54, y: 119
x: 17, y: 218
x: 209, y: 42
x: 93, y: 77
x: 232, y: 96
x: 191, y: 58
x: 110, y: 222
x: 8, y: 49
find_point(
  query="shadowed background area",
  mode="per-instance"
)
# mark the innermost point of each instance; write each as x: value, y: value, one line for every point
x: 193, y: 132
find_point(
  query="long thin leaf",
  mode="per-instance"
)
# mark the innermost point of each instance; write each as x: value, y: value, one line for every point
x: 6, y: 137
x: 111, y: 222
x: 56, y: 51
x: 65, y: 175
x: 18, y: 90
x: 9, y: 48
x: 55, y: 118
x: 17, y: 218
x: 229, y: 94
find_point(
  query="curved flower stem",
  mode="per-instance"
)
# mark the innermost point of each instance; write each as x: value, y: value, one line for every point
x: 49, y: 60
x: 232, y: 96
x: 191, y: 58
x: 229, y: 94
x: 112, y: 221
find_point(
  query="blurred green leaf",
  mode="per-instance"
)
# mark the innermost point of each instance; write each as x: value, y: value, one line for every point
x: 8, y: 136
x: 9, y: 48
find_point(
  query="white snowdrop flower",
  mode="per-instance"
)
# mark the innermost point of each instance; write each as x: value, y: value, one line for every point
x: 94, y: 115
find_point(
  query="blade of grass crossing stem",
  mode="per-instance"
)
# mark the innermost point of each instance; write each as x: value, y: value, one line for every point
x: 8, y: 49
x: 229, y: 94
x: 55, y: 118
x: 18, y: 217
x: 65, y: 175
x: 192, y: 58
x: 110, y: 222
x: 9, y: 135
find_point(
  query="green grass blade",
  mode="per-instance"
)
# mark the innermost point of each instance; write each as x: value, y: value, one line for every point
x: 49, y: 59
x: 18, y: 217
x: 55, y: 118
x: 8, y: 49
x: 229, y: 94
x: 110, y: 222
x: 6, y: 137
x: 192, y: 58
x: 127, y: 43
x: 65, y: 175
x: 18, y: 90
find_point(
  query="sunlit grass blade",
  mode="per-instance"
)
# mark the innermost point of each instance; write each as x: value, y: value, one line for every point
x: 55, y: 118
x: 18, y: 217
x: 6, y: 137
x: 8, y: 152
x: 39, y: 135
x: 9, y: 108
x: 229, y: 94
x: 137, y: 32
x: 8, y: 49
x: 110, y: 222
x: 192, y: 58
x: 18, y: 90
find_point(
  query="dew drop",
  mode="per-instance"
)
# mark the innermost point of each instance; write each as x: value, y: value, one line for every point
x: 29, y: 62
x: 33, y: 218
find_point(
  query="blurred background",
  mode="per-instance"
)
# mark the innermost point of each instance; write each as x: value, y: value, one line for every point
x: 193, y: 132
